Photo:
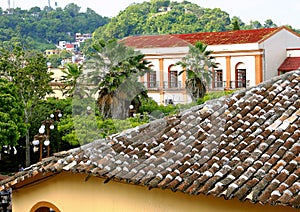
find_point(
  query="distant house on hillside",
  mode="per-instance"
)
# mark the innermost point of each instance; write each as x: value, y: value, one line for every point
x: 81, y: 38
x: 52, y: 52
x: 244, y: 58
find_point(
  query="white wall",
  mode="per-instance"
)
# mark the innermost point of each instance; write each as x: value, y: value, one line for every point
x: 154, y: 96
x: 275, y: 51
x: 164, y: 51
x: 233, y: 47
x: 293, y: 52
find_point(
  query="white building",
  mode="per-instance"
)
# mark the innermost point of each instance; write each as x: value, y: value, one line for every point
x: 244, y: 58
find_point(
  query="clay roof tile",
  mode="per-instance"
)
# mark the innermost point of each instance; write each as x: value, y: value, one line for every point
x: 243, y: 146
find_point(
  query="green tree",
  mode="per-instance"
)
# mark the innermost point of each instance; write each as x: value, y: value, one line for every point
x: 236, y: 25
x: 269, y: 24
x: 115, y: 70
x: 65, y: 54
x: 12, y: 126
x: 254, y: 25
x: 84, y: 128
x: 197, y: 64
x: 55, y: 60
x: 156, y: 5
x: 27, y: 70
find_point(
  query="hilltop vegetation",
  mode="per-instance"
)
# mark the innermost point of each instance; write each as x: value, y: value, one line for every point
x: 165, y: 16
x: 42, y: 28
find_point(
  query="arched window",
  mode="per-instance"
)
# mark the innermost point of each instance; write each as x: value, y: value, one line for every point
x: 173, y: 77
x: 240, y: 76
x: 44, y: 207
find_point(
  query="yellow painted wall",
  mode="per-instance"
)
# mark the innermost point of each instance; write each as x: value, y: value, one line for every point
x: 70, y: 192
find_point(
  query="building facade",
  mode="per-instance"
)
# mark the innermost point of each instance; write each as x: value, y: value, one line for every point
x: 244, y: 58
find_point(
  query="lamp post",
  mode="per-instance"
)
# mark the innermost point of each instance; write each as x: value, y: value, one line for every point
x: 56, y: 115
x: 42, y: 138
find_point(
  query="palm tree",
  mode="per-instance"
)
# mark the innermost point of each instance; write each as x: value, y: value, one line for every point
x: 197, y: 64
x: 72, y: 73
x: 115, y: 73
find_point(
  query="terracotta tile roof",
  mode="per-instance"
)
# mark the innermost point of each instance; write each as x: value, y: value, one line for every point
x: 290, y: 64
x: 152, y: 41
x: 244, y: 146
x: 2, y: 177
x: 209, y: 38
x: 228, y: 37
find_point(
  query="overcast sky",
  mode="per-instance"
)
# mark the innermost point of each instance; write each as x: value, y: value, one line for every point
x: 280, y: 11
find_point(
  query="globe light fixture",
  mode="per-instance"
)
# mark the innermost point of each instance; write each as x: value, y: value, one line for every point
x: 35, y: 142
x: 42, y: 130
x: 46, y: 142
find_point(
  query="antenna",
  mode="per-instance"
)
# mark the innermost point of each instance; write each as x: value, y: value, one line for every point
x: 49, y: 3
x: 8, y: 4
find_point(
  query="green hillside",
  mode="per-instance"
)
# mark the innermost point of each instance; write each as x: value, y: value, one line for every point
x: 42, y: 28
x: 165, y: 16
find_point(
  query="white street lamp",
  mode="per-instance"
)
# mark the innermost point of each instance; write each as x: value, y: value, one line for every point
x: 42, y: 130
x: 46, y: 142
x: 35, y: 142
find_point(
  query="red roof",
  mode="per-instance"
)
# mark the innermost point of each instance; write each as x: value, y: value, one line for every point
x: 69, y: 45
x: 209, y: 38
x: 290, y: 64
x: 228, y: 37
x: 152, y: 41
